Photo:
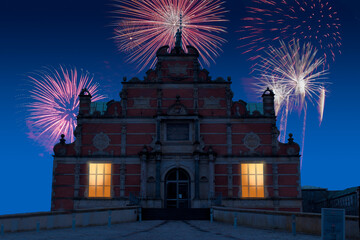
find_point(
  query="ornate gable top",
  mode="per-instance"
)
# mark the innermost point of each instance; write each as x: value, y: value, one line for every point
x: 177, y: 108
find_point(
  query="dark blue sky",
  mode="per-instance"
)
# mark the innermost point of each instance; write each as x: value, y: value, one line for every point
x: 41, y: 33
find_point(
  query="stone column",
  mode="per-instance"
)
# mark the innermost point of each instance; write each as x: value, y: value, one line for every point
x: 274, y: 139
x: 122, y: 178
x: 159, y: 100
x: 77, y: 179
x: 143, y: 175
x: 196, y: 100
x: 123, y: 96
x: 229, y: 166
x: 123, y: 140
x: 158, y: 175
x: 229, y: 96
x: 158, y: 130
x: 197, y: 177
x: 78, y: 133
x: 122, y: 163
x: 229, y: 139
x: 197, y: 131
x: 276, y: 186
x: 230, y: 179
x: 275, y: 179
x: 211, y: 171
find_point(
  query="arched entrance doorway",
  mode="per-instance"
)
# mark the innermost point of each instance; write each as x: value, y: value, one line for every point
x: 177, y: 189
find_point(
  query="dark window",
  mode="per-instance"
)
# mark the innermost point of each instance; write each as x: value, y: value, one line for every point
x: 177, y: 132
x: 172, y: 176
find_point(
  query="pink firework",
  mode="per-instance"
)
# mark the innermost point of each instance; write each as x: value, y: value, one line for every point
x: 54, y: 103
x: 144, y: 26
x: 315, y: 21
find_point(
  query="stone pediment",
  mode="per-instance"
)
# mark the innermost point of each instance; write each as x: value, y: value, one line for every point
x: 177, y: 108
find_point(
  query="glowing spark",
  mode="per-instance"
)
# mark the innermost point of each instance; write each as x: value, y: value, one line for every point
x: 54, y: 103
x: 144, y: 26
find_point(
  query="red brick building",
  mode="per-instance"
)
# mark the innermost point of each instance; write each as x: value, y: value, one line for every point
x: 176, y: 139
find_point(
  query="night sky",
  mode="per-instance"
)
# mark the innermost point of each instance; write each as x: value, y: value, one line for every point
x: 39, y: 33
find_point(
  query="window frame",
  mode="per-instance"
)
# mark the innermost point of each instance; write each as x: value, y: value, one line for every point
x: 105, y: 194
x: 247, y: 175
x: 185, y: 121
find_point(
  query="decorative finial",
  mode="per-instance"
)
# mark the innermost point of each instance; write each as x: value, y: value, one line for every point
x: 62, y: 140
x: 291, y: 139
x: 124, y: 79
x: 145, y: 149
x: 197, y: 146
x: 178, y: 43
x: 158, y: 146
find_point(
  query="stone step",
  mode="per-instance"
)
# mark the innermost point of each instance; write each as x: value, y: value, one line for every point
x: 176, y: 214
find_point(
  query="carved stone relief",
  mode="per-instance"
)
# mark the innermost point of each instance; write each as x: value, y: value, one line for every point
x: 177, y: 69
x: 291, y: 151
x: 177, y: 109
x: 212, y: 102
x: 141, y: 102
x: 101, y: 141
x: 252, y: 141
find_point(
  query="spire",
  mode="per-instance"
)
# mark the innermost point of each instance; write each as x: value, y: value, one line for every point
x: 178, y: 35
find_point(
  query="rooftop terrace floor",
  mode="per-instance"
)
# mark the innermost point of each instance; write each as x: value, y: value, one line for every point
x: 174, y: 230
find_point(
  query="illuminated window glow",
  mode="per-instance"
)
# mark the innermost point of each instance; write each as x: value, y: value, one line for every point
x: 99, y: 180
x: 252, y: 180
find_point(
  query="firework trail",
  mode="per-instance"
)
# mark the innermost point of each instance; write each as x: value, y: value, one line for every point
x: 314, y: 21
x: 144, y: 26
x: 295, y: 75
x: 321, y: 103
x: 54, y: 103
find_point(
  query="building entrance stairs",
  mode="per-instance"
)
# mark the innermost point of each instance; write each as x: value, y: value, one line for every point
x: 176, y: 214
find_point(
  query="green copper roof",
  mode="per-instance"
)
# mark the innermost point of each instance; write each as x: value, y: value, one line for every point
x: 98, y: 107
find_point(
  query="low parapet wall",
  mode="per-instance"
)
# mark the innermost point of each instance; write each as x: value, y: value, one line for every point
x: 309, y: 223
x: 76, y: 218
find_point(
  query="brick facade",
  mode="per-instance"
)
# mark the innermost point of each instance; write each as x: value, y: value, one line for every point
x: 177, y: 118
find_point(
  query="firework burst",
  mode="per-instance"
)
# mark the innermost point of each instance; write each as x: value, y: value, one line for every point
x: 295, y: 75
x: 54, y: 103
x: 144, y: 26
x: 315, y: 21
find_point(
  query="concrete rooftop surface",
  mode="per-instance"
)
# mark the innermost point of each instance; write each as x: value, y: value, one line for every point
x: 159, y: 229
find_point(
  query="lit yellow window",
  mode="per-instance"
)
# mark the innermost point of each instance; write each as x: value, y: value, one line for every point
x: 252, y: 180
x: 99, y: 179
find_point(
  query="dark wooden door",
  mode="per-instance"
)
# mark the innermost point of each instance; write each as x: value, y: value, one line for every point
x: 177, y: 189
